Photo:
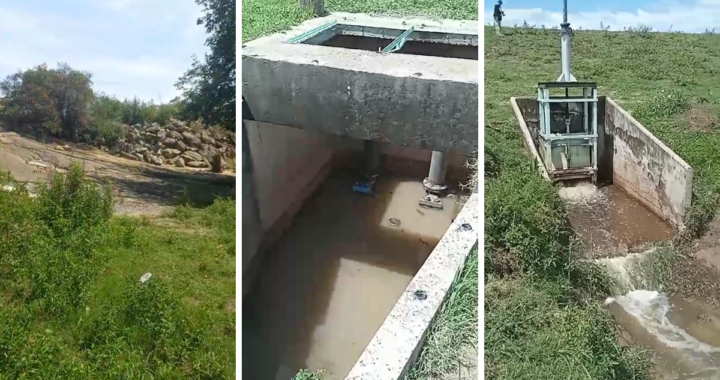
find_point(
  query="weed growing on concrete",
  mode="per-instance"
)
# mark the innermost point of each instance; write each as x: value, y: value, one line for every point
x: 450, y: 346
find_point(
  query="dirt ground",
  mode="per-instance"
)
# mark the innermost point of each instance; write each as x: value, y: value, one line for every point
x: 140, y: 188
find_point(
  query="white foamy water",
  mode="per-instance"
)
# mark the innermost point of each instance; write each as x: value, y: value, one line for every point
x: 651, y: 309
x: 582, y: 193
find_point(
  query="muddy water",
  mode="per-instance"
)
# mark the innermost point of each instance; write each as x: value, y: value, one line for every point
x: 609, y: 221
x: 683, y: 335
x: 329, y: 283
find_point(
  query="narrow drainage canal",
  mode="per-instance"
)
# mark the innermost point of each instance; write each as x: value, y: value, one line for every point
x: 328, y: 284
x: 682, y: 333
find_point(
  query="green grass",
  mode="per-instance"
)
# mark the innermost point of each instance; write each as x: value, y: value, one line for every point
x: 263, y: 17
x: 542, y: 315
x: 666, y: 80
x: 453, y: 335
x: 535, y: 330
x: 72, y: 307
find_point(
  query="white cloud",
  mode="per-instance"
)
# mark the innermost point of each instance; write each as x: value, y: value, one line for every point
x: 694, y: 17
x: 132, y: 47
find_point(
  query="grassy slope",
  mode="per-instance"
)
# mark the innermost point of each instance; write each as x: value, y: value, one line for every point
x: 71, y: 305
x: 457, y: 322
x: 667, y: 81
x: 535, y: 327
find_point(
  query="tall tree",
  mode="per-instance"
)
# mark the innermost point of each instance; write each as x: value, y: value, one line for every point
x: 209, y: 85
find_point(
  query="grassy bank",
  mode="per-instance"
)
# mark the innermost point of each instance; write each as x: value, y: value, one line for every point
x: 542, y: 314
x: 457, y: 321
x: 261, y: 17
x: 666, y: 80
x: 72, y: 305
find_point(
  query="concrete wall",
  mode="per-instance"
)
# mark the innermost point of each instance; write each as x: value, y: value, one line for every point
x: 409, y: 100
x: 647, y: 169
x: 285, y: 161
x: 288, y: 165
x: 283, y: 166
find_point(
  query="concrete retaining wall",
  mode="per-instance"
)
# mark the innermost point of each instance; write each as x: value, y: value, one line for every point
x: 646, y: 168
x: 410, y: 100
x: 287, y: 165
x: 630, y: 157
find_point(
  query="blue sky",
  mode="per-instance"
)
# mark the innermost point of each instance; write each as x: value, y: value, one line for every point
x: 689, y: 16
x: 132, y: 47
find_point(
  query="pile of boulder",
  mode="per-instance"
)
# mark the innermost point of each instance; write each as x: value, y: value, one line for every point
x: 174, y: 144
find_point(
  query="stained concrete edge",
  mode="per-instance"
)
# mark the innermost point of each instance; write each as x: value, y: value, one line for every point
x: 527, y: 138
x: 672, y: 210
x: 398, y: 341
x: 275, y: 48
x: 654, y: 138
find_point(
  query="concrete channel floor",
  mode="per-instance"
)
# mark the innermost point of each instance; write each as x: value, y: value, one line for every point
x: 329, y: 283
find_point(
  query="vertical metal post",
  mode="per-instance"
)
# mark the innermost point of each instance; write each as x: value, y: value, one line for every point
x: 372, y: 157
x: 437, y: 168
x: 585, y: 111
x: 549, y: 165
x: 594, y: 129
x: 566, y: 75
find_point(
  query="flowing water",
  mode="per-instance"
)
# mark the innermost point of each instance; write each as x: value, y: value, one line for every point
x: 610, y: 221
x: 682, y: 333
x: 329, y: 283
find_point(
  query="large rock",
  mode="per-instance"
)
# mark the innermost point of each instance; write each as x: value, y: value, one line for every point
x: 197, y: 164
x: 192, y: 156
x: 192, y: 140
x: 180, y: 126
x: 208, y: 152
x: 181, y: 146
x: 129, y: 148
x: 176, y: 135
x: 129, y: 156
x: 170, y: 153
x: 152, y: 159
x: 179, y: 162
x: 169, y: 142
x: 207, y: 139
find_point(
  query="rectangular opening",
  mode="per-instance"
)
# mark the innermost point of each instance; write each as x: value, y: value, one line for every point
x: 326, y: 284
x: 433, y: 44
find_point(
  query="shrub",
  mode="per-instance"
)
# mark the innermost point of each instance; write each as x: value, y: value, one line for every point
x: 57, y: 99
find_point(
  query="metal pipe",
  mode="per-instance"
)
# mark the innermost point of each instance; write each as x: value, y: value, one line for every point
x: 565, y: 53
x: 372, y: 157
x: 437, y: 168
x: 565, y: 12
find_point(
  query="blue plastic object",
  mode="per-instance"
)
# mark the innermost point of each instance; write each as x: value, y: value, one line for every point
x: 366, y: 186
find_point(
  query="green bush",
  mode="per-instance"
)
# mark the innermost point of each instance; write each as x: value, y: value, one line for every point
x: 57, y: 99
x: 56, y: 323
x: 38, y: 99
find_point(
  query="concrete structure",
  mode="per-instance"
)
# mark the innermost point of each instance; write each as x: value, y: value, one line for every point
x: 398, y: 341
x: 647, y: 169
x: 630, y: 157
x: 283, y: 166
x: 425, y: 95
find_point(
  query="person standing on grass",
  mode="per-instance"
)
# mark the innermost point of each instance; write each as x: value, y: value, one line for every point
x: 497, y: 16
